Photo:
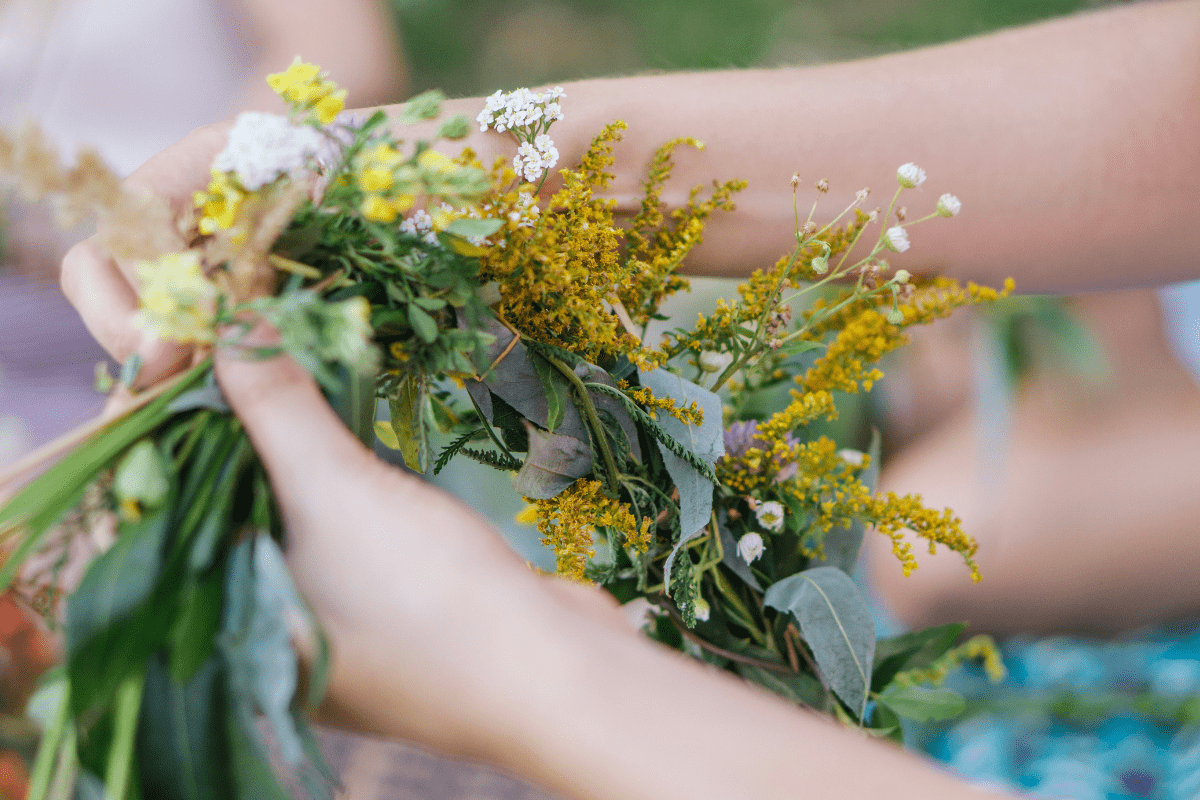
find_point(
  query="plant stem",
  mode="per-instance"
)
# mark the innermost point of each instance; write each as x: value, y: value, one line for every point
x: 125, y: 718
x: 612, y: 476
x: 43, y: 765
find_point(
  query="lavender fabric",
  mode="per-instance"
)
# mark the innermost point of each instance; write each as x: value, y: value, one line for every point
x: 47, y: 360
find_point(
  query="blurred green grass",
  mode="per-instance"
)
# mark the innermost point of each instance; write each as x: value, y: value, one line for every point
x: 472, y: 47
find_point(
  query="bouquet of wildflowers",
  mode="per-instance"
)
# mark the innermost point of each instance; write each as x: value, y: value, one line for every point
x: 516, y: 324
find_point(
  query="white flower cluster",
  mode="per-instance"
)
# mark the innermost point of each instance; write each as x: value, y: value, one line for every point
x: 525, y: 214
x: 520, y: 109
x: 263, y: 147
x: 528, y: 115
x: 420, y: 224
x: 897, y: 239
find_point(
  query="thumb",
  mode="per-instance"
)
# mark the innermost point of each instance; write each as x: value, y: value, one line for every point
x: 298, y: 436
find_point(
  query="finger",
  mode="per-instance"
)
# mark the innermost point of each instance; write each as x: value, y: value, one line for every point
x: 295, y: 431
x: 108, y: 305
x: 175, y: 174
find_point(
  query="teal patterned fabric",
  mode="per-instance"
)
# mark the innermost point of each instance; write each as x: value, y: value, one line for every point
x: 1082, y: 719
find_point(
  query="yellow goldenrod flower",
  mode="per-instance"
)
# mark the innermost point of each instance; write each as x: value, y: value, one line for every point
x: 376, y: 209
x: 527, y: 515
x: 178, y: 302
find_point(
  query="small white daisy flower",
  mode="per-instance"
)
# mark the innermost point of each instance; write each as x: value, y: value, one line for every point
x: 896, y: 238
x: 910, y: 176
x: 750, y: 547
x: 770, y: 515
x: 948, y: 205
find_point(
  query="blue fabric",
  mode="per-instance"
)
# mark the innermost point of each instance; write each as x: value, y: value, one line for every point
x: 1082, y: 719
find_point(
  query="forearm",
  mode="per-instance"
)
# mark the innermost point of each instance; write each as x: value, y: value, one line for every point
x: 1071, y: 144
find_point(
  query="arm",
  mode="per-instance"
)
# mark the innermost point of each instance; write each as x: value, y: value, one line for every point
x: 1090, y: 500
x: 356, y: 40
x: 1071, y: 144
x: 441, y: 635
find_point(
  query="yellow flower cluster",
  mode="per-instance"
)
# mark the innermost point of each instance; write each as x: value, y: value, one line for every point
x: 892, y: 515
x: 178, y: 303
x: 656, y: 250
x: 978, y: 648
x: 864, y: 335
x: 569, y: 521
x: 691, y: 414
x: 306, y: 88
x: 563, y: 277
x: 804, y: 408
x: 219, y: 202
x: 375, y: 172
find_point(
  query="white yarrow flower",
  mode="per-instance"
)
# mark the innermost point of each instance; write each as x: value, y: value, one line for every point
x: 896, y: 238
x: 910, y: 175
x: 948, y: 205
x: 264, y: 147
x: 770, y: 515
x: 702, y: 609
x: 750, y: 547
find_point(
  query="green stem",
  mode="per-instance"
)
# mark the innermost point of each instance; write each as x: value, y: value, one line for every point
x: 611, y: 476
x: 487, y: 426
x: 125, y: 719
x: 43, y: 765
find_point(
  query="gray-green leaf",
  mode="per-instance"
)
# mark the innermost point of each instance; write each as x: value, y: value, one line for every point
x: 469, y: 228
x: 706, y: 441
x: 836, y: 622
x: 554, y: 463
x: 142, y: 476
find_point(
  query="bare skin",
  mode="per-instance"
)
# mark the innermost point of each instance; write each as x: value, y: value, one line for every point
x: 1040, y: 131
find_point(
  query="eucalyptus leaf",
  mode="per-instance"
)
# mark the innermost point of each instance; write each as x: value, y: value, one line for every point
x: 836, y: 622
x: 842, y: 545
x: 207, y: 396
x: 256, y: 642
x: 515, y: 380
x: 590, y: 373
x: 922, y: 703
x: 554, y: 463
x: 354, y: 402
x: 253, y: 778
x: 706, y: 441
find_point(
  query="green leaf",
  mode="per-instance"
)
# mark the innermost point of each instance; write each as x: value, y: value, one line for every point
x: 125, y: 720
x: 408, y: 424
x: 119, y: 581
x: 183, y: 743
x: 554, y: 463
x: 914, y: 650
x: 354, y: 402
x: 141, y: 476
x: 207, y: 396
x: 194, y: 631
x: 456, y: 127
x: 423, y: 325
x: 836, y: 622
x: 426, y: 105
x: 386, y: 435
x: 705, y: 441
x: 470, y: 228
x: 798, y: 688
x: 842, y: 545
x: 921, y: 703
x: 253, y: 778
x: 885, y: 724
x: 556, y: 388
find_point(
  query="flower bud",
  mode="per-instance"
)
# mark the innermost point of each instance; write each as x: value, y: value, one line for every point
x: 852, y: 457
x: 822, y: 186
x: 702, y: 609
x: 910, y: 176
x: 712, y: 361
x: 795, y: 179
x: 948, y: 205
x: 896, y: 239
x: 820, y: 264
x: 770, y: 515
x: 750, y: 547
x: 895, y: 316
x: 902, y: 276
